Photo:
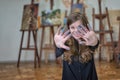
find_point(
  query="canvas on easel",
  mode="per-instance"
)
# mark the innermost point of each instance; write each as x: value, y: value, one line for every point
x: 51, y: 17
x: 29, y: 19
x: 29, y: 25
x: 77, y: 8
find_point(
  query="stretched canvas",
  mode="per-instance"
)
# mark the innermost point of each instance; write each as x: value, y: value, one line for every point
x: 51, y: 17
x: 77, y: 8
x: 29, y: 19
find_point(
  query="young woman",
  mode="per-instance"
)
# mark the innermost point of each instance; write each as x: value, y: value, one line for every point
x: 77, y: 44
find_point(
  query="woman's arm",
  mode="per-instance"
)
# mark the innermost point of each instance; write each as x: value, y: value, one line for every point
x: 59, y: 52
x: 94, y: 47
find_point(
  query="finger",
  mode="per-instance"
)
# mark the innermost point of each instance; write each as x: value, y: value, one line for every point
x: 81, y: 34
x: 62, y: 30
x: 81, y: 42
x: 90, y: 28
x: 86, y: 39
x: 84, y: 28
x: 86, y: 35
x: 65, y: 47
x: 66, y: 33
x: 80, y: 29
x: 67, y: 37
x: 58, y: 31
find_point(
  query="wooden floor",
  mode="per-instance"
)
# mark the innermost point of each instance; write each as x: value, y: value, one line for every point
x: 52, y: 71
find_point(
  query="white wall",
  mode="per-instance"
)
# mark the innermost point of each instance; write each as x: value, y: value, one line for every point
x: 10, y: 23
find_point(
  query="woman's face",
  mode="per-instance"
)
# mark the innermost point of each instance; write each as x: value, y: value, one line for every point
x: 74, y: 29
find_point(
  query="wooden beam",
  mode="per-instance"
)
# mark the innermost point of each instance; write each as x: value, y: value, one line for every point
x: 32, y: 1
x: 106, y: 31
x: 51, y: 4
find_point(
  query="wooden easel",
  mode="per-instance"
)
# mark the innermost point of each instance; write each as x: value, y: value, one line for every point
x: 51, y: 45
x: 117, y: 49
x: 101, y: 31
x: 32, y: 29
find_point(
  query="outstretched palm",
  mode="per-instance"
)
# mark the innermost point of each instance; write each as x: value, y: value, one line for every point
x: 60, y: 38
x: 88, y: 35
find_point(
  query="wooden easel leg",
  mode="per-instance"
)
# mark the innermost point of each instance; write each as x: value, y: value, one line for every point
x: 52, y: 31
x: 71, y: 6
x: 100, y: 53
x: 110, y: 33
x: 42, y: 37
x: 28, y: 41
x: 36, y: 50
x: 20, y: 49
x: 35, y: 59
x: 93, y: 15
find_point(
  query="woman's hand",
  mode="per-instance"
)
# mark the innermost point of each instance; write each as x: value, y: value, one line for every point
x: 89, y: 36
x: 61, y: 37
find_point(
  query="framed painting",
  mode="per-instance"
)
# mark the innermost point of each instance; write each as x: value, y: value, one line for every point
x: 30, y: 14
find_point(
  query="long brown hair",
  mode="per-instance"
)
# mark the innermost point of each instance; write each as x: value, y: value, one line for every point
x: 84, y: 52
x: 73, y: 17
